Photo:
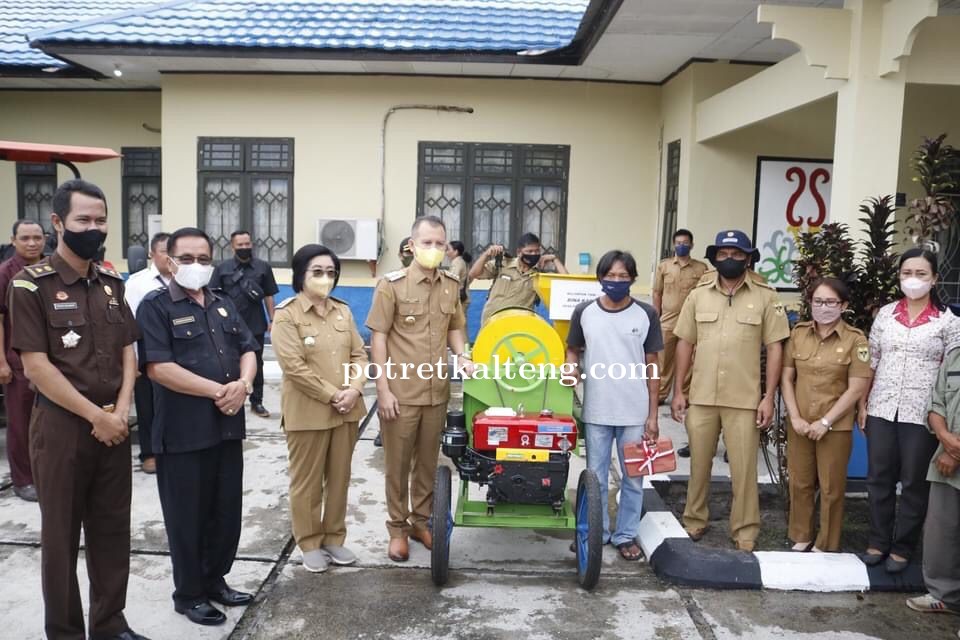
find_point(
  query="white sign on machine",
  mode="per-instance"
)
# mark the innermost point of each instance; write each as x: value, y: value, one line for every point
x: 565, y: 295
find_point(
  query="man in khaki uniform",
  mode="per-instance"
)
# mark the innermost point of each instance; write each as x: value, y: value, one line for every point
x: 675, y: 279
x: 728, y: 319
x: 415, y: 314
x: 513, y: 277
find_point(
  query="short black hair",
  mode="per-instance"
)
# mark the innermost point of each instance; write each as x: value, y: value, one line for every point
x: 187, y: 232
x: 157, y: 238
x: 683, y: 232
x: 64, y: 194
x: 302, y: 258
x: 433, y: 221
x: 837, y: 285
x: 403, y: 245
x: 19, y: 223
x: 610, y: 257
x: 240, y: 232
x: 527, y: 239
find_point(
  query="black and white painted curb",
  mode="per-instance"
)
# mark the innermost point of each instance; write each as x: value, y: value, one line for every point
x: 677, y: 559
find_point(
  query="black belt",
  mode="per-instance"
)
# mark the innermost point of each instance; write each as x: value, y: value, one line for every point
x: 47, y: 402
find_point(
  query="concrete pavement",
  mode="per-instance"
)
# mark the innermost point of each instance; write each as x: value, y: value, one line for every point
x: 504, y: 583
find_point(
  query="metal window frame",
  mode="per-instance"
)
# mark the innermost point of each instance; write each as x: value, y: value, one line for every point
x: 132, y: 177
x: 247, y: 174
x: 670, y: 205
x: 32, y: 172
x: 517, y: 178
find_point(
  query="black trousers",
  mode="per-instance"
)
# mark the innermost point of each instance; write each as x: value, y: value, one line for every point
x: 201, y: 496
x: 143, y: 399
x: 257, y: 396
x: 80, y: 483
x: 897, y: 452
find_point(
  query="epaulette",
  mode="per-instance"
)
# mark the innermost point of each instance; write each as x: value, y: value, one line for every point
x: 282, y: 304
x: 393, y: 276
x: 107, y: 271
x: 40, y: 269
x: 805, y: 323
x: 452, y: 276
x: 154, y: 293
x: 343, y: 302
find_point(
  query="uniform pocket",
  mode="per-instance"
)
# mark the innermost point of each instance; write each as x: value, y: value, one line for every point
x: 62, y: 320
x: 188, y: 349
x: 410, y: 316
x: 748, y: 325
x: 707, y: 324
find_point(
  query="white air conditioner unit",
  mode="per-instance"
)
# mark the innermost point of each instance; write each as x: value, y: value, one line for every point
x: 351, y: 238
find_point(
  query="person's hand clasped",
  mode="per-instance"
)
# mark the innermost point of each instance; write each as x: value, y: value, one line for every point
x: 231, y: 397
x: 345, y: 400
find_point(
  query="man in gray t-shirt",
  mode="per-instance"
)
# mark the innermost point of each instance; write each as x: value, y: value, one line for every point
x: 614, y: 340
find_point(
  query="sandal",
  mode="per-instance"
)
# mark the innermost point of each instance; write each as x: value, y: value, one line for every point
x: 629, y: 551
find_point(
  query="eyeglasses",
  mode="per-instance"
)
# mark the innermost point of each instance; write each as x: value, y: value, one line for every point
x: 188, y: 259
x: 316, y: 273
x: 830, y: 304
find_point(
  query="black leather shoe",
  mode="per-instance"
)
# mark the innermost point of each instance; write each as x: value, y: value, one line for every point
x: 260, y: 410
x: 202, y: 613
x: 872, y: 559
x: 378, y: 442
x: 231, y: 597
x: 684, y: 451
x: 895, y: 566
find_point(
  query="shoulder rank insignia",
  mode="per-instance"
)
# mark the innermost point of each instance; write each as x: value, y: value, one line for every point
x: 24, y: 284
x: 863, y: 353
x: 282, y: 304
x: 450, y: 275
x: 108, y: 271
x: 40, y: 270
x: 778, y: 308
x: 393, y: 276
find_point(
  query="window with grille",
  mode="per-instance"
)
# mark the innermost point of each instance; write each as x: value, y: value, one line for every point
x: 670, y: 199
x: 247, y: 183
x: 494, y: 193
x: 36, y: 184
x: 141, y: 194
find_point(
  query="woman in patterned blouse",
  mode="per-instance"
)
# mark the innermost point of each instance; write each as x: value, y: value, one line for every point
x: 907, y: 343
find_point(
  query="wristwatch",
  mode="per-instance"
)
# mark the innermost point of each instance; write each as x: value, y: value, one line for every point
x: 826, y: 424
x: 249, y: 386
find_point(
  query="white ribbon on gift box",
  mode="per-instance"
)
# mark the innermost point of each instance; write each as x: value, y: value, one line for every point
x: 652, y: 453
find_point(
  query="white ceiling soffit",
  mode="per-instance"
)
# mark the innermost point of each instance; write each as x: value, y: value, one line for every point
x: 646, y: 41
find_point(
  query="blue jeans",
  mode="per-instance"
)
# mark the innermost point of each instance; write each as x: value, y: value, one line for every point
x: 600, y: 440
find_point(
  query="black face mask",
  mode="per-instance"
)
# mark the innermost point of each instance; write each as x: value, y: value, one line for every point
x: 531, y: 260
x: 731, y: 268
x: 86, y: 244
x: 244, y: 255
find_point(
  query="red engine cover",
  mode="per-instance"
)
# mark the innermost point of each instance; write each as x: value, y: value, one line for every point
x: 528, y: 431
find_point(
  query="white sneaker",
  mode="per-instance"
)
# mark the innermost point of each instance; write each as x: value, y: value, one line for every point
x: 315, y: 561
x: 928, y: 604
x: 340, y: 555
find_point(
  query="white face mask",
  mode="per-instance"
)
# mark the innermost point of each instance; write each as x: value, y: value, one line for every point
x: 915, y: 288
x: 193, y: 276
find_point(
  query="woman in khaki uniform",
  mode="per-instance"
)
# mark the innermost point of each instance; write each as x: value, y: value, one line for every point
x: 460, y: 266
x: 826, y: 368
x: 324, y: 370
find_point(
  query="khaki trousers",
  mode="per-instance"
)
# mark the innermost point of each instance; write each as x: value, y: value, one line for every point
x: 411, y: 445
x: 741, y: 439
x: 668, y: 365
x: 319, y: 480
x: 811, y: 465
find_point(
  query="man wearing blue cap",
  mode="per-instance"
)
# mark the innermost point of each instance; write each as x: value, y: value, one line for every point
x: 728, y: 318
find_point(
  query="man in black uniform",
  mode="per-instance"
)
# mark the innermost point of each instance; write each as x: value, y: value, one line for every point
x: 200, y: 354
x: 75, y: 336
x: 249, y: 282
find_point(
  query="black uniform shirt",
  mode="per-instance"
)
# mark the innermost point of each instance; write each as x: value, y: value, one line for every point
x: 207, y: 341
x: 247, y: 284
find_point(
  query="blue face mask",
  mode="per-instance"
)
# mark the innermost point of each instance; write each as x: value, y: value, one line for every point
x: 682, y: 250
x: 615, y: 289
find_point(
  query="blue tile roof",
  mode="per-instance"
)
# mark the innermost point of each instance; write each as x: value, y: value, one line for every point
x: 386, y: 25
x: 20, y: 17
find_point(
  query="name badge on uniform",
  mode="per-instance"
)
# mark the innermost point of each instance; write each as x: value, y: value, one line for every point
x: 222, y: 311
x: 505, y: 277
x: 184, y: 320
x: 70, y: 339
x: 65, y: 306
x: 113, y: 302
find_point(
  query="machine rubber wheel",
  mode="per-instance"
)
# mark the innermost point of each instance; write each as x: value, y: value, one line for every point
x: 588, y: 542
x: 442, y: 527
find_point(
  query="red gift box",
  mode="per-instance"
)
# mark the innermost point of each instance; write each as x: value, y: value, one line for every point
x: 644, y: 459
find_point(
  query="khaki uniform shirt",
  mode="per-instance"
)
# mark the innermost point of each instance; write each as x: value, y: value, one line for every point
x: 728, y: 332
x: 80, y: 321
x: 416, y: 311
x: 824, y: 368
x: 315, y: 348
x: 946, y: 402
x: 510, y: 288
x: 458, y: 267
x: 674, y: 282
